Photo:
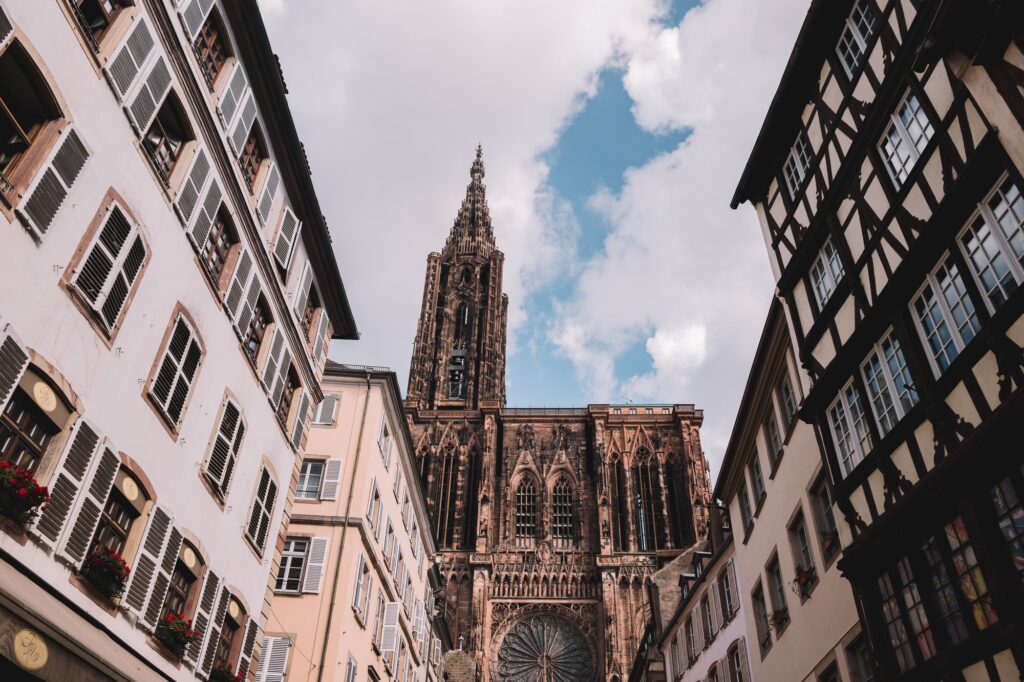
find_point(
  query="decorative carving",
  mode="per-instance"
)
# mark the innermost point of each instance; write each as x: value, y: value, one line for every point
x: 544, y: 649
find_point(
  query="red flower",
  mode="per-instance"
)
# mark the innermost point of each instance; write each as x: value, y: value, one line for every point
x: 22, y: 492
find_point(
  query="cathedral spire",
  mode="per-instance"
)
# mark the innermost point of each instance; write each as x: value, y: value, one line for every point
x: 472, y: 230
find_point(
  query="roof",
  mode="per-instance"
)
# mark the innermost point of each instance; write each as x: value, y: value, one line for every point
x: 268, y: 85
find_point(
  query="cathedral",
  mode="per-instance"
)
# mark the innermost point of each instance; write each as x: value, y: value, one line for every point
x: 549, y: 522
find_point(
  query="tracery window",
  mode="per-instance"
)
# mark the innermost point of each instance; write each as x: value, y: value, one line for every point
x: 648, y: 513
x: 562, y: 517
x: 444, y: 517
x: 526, y: 511
x: 620, y: 524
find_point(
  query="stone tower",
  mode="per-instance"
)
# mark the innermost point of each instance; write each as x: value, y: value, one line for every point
x: 549, y: 522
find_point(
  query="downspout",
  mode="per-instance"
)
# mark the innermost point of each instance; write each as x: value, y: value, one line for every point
x: 344, y: 530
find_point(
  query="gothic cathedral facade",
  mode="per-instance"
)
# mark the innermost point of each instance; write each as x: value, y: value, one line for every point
x: 549, y: 522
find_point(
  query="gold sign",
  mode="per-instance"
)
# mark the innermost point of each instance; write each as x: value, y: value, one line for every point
x: 189, y: 557
x: 234, y: 609
x: 130, y: 489
x: 44, y: 396
x: 30, y: 651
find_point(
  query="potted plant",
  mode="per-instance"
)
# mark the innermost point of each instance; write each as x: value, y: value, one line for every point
x: 106, y: 571
x: 20, y: 496
x: 778, y: 619
x: 225, y: 675
x: 804, y: 581
x: 175, y: 632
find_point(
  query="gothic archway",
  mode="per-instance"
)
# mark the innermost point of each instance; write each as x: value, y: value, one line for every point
x: 544, y: 648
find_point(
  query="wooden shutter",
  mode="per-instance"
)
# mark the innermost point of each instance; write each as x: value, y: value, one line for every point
x: 274, y: 663
x: 286, y: 237
x: 244, y: 272
x: 332, y: 480
x: 147, y: 562
x: 248, y: 307
x: 193, y: 14
x: 245, y: 655
x: 72, y: 475
x: 715, y: 604
x: 206, y: 214
x: 301, y: 415
x: 6, y: 28
x: 282, y: 376
x: 270, y: 369
x: 154, y: 610
x: 194, y: 183
x: 13, y: 363
x: 744, y: 661
x: 150, y: 95
x: 203, y: 614
x: 178, y: 367
x: 233, y: 95
x: 321, y: 342
x: 123, y: 70
x: 226, y: 444
x: 313, y: 579
x: 324, y: 414
x: 262, y: 509
x: 217, y: 622
x: 46, y: 194
x: 734, y: 586
x: 435, y: 655
x: 302, y: 293
x: 389, y: 633
x: 91, y: 502
x: 270, y: 188
x: 244, y: 122
x: 111, y: 266
x: 417, y: 627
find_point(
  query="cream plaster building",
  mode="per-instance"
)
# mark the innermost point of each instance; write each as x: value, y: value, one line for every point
x: 169, y: 292
x: 354, y: 595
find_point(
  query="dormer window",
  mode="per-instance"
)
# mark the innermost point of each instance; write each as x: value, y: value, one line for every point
x: 860, y: 28
x: 798, y: 163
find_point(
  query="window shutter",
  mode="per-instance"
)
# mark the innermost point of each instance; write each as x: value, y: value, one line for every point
x: 233, y: 95
x: 332, y: 480
x: 274, y: 664
x: 270, y: 369
x: 734, y: 588
x: 742, y: 645
x: 716, y: 608
x: 193, y: 14
x: 301, y: 415
x: 435, y: 656
x: 111, y: 266
x: 72, y: 475
x: 282, y: 376
x: 270, y: 188
x: 150, y: 94
x: 226, y: 444
x: 13, y: 363
x: 46, y: 194
x: 178, y: 368
x: 195, y: 181
x: 324, y: 414
x: 389, y: 633
x: 243, y: 124
x: 418, y: 626
x: 204, y: 611
x: 147, y: 563
x: 286, y: 237
x: 6, y: 28
x: 245, y: 656
x: 127, y: 63
x: 91, y: 505
x: 163, y: 579
x: 313, y: 580
x: 216, y: 624
x: 302, y: 293
x: 244, y: 272
x: 321, y: 344
x: 262, y: 509
x: 205, y: 215
x: 248, y: 307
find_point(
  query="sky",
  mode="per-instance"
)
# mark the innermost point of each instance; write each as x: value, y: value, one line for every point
x: 614, y: 134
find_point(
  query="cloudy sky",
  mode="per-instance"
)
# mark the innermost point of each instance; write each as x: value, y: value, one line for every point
x: 614, y: 133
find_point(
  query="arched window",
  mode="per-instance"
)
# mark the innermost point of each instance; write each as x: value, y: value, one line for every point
x: 526, y: 511
x: 563, y: 522
x: 647, y: 507
x: 444, y: 517
x: 620, y: 524
x: 28, y: 105
x: 461, y: 326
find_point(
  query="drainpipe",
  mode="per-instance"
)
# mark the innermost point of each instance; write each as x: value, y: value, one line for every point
x: 344, y: 530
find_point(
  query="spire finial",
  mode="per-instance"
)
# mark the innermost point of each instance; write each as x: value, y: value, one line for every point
x: 477, y: 170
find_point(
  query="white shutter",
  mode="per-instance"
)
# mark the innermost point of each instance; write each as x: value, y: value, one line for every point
x: 233, y: 95
x: 283, y: 366
x: 389, y: 633
x: 248, y: 644
x: 72, y: 475
x: 270, y: 188
x: 90, y: 505
x: 286, y: 237
x: 206, y: 214
x: 111, y: 265
x: 715, y: 604
x: 13, y: 363
x: 226, y: 445
x: 357, y: 587
x: 734, y: 586
x: 203, y: 614
x: 301, y: 415
x: 324, y: 415
x: 313, y: 580
x: 332, y: 480
x: 124, y: 68
x: 192, y: 187
x: 244, y: 272
x: 418, y: 629
x: 274, y: 662
x: 47, y: 192
x: 150, y: 95
x: 148, y: 562
x: 274, y: 357
x: 193, y: 15
x: 244, y: 122
x: 321, y: 342
x: 248, y: 305
x: 216, y: 624
x: 178, y: 367
x: 302, y: 292
x: 435, y: 655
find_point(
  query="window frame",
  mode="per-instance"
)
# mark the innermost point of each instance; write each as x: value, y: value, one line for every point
x: 289, y: 557
x: 303, y: 473
x: 941, y: 305
x: 797, y: 166
x: 898, y: 129
x: 826, y: 273
x: 853, y: 28
x: 1014, y: 269
x: 862, y: 443
x: 182, y: 317
x: 888, y: 387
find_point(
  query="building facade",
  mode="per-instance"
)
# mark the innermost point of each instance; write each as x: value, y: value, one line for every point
x: 546, y: 520
x: 800, y: 618
x: 888, y: 179
x: 170, y: 292
x: 354, y: 593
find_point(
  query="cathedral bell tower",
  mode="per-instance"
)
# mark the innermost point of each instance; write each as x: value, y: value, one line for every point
x: 458, y: 359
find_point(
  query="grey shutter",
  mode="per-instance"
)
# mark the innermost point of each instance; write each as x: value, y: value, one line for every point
x: 313, y: 580
x: 324, y: 413
x: 206, y: 214
x: 150, y: 95
x: 233, y: 95
x: 321, y: 342
x: 226, y: 445
x: 274, y: 663
x: 147, y: 563
x: 195, y: 181
x: 92, y: 501
x: 270, y: 188
x: 248, y: 306
x: 332, y: 480
x: 270, y: 369
x: 193, y: 14
x: 262, y: 510
x: 744, y: 661
x: 239, y: 283
x: 13, y: 363
x: 245, y: 656
x: 154, y: 610
x: 46, y: 195
x: 286, y: 237
x: 217, y: 623
x: 204, y: 612
x: 302, y: 292
x: 389, y: 633
x: 282, y: 375
x: 244, y: 123
x: 71, y: 477
x: 734, y: 588
x: 124, y: 68
x: 301, y: 415
x: 111, y: 266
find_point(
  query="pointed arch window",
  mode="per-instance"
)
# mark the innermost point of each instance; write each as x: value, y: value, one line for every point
x: 444, y: 518
x: 620, y: 522
x: 648, y: 512
x: 563, y: 521
x: 526, y: 511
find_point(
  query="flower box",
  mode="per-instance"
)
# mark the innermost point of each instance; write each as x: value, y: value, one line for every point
x: 106, y: 571
x: 175, y: 632
x: 779, y: 618
x: 20, y: 496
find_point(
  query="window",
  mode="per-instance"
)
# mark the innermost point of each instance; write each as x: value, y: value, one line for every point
x: 862, y: 665
x: 310, y: 476
x: 384, y: 441
x: 853, y: 43
x: 756, y: 478
x: 293, y: 558
x: 746, y: 515
x: 184, y: 579
x: 1010, y: 515
x: 737, y: 666
x: 849, y: 430
x: 821, y: 503
x: 649, y: 511
x: 969, y: 574
x: 373, y: 509
x: 993, y: 243
x: 227, y: 442
x: 797, y: 164
x: 26, y: 106
x: 363, y: 588
x: 648, y: 410
x: 167, y: 136
x: 617, y: 410
x: 378, y: 620
x: 787, y: 400
x: 210, y: 49
x: 457, y: 375
x: 725, y: 583
x: 252, y: 156
x: 115, y: 524
x: 889, y: 384
x: 831, y: 674
x: 904, y: 616
x: 632, y: 410
x: 777, y: 595
x: 677, y: 665
x: 291, y: 385
x: 807, y: 575
x: 96, y: 16
x: 761, y: 621
x: 706, y: 620
x: 256, y: 331
x: 229, y: 631
x: 772, y: 439
x: 945, y: 315
x: 110, y: 267
x: 905, y: 139
x: 397, y: 484
x: 951, y: 620
x: 691, y: 652
x: 562, y: 516
x: 389, y: 546
x: 25, y: 432
x: 222, y: 237
x: 526, y: 510
x: 262, y: 508
x: 325, y: 411
x: 826, y: 273
x: 170, y: 388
